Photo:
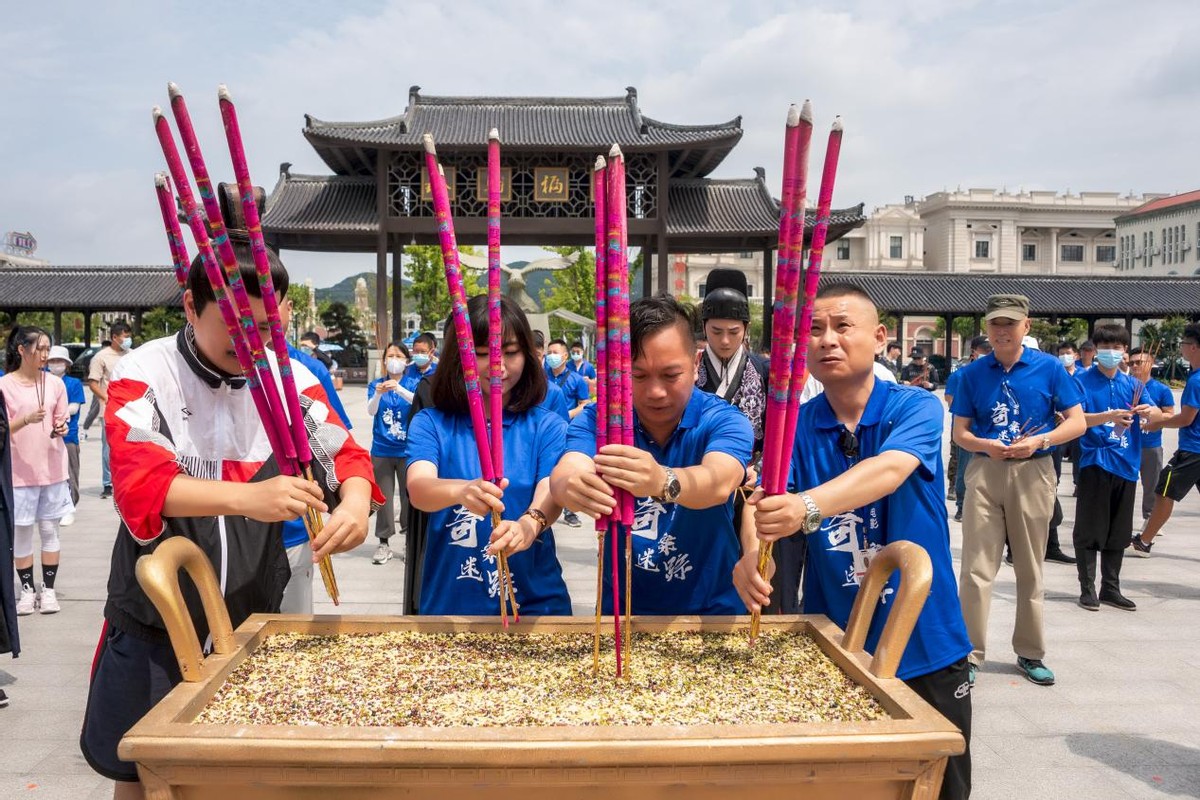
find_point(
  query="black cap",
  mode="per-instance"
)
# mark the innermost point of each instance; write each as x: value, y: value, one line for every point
x: 981, y: 343
x: 725, y: 296
x: 916, y: 352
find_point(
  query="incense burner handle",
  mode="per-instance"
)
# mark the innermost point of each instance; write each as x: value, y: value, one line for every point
x: 158, y: 573
x: 916, y: 576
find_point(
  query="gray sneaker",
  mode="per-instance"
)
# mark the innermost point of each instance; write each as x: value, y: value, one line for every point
x: 383, y: 554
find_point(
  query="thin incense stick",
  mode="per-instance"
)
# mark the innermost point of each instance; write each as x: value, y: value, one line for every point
x: 166, y: 204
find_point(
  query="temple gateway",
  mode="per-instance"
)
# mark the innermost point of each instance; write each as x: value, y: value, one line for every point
x: 377, y: 199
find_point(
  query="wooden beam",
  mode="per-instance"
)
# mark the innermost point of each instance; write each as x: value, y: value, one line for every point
x: 381, y: 254
x: 663, y: 210
x: 768, y: 293
x: 647, y: 267
x: 397, y: 290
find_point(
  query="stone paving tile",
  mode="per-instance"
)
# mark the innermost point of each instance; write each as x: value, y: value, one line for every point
x: 1096, y: 735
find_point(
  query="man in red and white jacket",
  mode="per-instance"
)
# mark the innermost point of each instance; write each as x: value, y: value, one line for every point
x: 190, y: 457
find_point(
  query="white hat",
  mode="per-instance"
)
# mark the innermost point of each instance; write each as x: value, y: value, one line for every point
x: 1029, y: 341
x: 60, y: 352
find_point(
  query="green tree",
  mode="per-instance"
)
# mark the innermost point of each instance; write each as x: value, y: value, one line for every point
x: 428, y: 292
x: 1045, y: 332
x: 342, y: 329
x: 1164, y: 339
x: 162, y: 321
x: 573, y: 288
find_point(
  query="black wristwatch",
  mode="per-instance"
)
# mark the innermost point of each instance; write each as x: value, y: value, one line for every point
x: 671, y: 488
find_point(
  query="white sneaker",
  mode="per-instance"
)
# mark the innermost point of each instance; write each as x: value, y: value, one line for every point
x: 49, y: 602
x: 383, y: 554
x: 27, y: 602
x: 69, y: 519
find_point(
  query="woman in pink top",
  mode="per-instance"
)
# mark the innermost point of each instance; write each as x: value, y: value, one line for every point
x: 37, y: 412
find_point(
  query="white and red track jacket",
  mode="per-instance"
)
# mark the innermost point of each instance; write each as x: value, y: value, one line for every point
x: 169, y: 414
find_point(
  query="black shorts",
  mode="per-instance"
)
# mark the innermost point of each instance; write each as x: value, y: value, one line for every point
x: 129, y: 677
x: 948, y: 690
x: 1180, y: 474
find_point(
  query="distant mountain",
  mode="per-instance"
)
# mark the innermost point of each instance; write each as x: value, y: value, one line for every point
x: 343, y: 290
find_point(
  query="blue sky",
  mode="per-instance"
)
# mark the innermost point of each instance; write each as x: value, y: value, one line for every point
x: 1088, y: 95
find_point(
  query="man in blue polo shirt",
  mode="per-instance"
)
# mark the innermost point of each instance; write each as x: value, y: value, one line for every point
x: 1183, y: 470
x: 1159, y: 395
x: 868, y: 460
x: 573, y: 385
x: 1110, y: 454
x: 579, y: 365
x: 1004, y: 412
x: 691, y: 454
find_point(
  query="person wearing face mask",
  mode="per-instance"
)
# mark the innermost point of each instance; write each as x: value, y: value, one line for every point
x: 424, y: 355
x: 579, y: 365
x: 689, y: 455
x: 57, y: 364
x: 389, y: 399
x: 573, y: 385
x: 459, y: 572
x: 310, y: 345
x: 99, y: 375
x: 1110, y: 457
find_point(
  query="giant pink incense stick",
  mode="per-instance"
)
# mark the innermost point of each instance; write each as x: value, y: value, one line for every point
x: 787, y: 286
x: 599, y: 184
x: 495, y: 328
x: 233, y: 276
x: 166, y: 204
x: 258, y: 248
x: 215, y: 277
x: 615, y: 393
x: 812, y: 277
x: 458, y: 301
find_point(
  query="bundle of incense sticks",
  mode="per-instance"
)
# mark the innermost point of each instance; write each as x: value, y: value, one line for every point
x: 790, y: 334
x: 614, y: 407
x: 284, y: 424
x: 466, y: 340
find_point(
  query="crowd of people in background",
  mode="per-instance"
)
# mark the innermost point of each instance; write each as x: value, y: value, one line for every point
x: 866, y: 469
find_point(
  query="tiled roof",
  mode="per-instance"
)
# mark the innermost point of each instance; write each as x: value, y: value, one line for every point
x: 113, y: 288
x: 1049, y: 295
x: 543, y: 123
x: 335, y: 203
x: 1162, y: 204
x: 699, y: 207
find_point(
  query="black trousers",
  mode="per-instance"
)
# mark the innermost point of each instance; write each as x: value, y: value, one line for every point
x: 789, y: 554
x: 1104, y: 513
x: 949, y: 691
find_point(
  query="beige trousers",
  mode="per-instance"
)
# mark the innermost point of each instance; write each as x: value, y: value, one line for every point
x: 1013, y: 499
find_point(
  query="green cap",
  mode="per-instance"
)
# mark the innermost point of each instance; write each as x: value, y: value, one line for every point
x: 1008, y: 306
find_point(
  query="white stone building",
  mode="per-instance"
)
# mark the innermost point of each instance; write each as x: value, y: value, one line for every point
x: 1160, y: 237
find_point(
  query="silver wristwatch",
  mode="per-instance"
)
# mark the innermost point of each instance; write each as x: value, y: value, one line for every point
x: 812, y: 520
x: 671, y: 488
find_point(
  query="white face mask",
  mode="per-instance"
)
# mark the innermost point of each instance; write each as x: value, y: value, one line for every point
x: 396, y: 365
x: 58, y: 368
x: 127, y: 343
x: 1067, y: 359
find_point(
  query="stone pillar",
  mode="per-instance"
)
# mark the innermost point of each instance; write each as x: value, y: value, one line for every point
x: 1054, y: 256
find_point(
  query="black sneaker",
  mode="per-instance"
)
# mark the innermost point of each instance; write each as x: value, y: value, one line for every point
x: 1117, y: 600
x: 571, y: 519
x: 958, y: 515
x: 1088, y: 601
x: 1059, y: 557
x: 1035, y: 671
x: 106, y: 493
x: 1008, y: 557
x: 3, y: 699
x: 1140, y: 548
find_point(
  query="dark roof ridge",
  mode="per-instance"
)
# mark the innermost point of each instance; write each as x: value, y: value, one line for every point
x: 731, y: 125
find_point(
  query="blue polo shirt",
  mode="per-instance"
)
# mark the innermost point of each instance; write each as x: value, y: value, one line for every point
x: 952, y: 383
x: 1115, y: 450
x: 907, y: 419
x: 325, y: 379
x: 1159, y: 395
x: 389, y: 437
x: 556, y: 401
x: 583, y: 368
x: 459, y: 577
x: 74, y: 395
x: 573, y: 386
x: 1189, y: 437
x: 1000, y: 404
x: 683, y: 558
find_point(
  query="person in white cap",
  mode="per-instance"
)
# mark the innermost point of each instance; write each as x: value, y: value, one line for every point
x: 57, y: 364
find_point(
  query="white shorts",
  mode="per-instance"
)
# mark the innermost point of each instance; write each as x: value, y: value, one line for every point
x: 32, y: 503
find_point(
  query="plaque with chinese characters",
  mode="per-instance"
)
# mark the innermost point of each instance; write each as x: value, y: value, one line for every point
x: 427, y: 191
x: 551, y: 184
x: 481, y: 186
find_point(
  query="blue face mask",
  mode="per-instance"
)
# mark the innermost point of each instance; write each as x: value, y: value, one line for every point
x: 1109, y: 358
x: 554, y: 360
x: 421, y: 359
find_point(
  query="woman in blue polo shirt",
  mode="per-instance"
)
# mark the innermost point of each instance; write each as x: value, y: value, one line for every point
x: 459, y: 568
x: 389, y: 399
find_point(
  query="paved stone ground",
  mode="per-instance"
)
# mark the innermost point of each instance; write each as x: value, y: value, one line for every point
x: 1123, y: 720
